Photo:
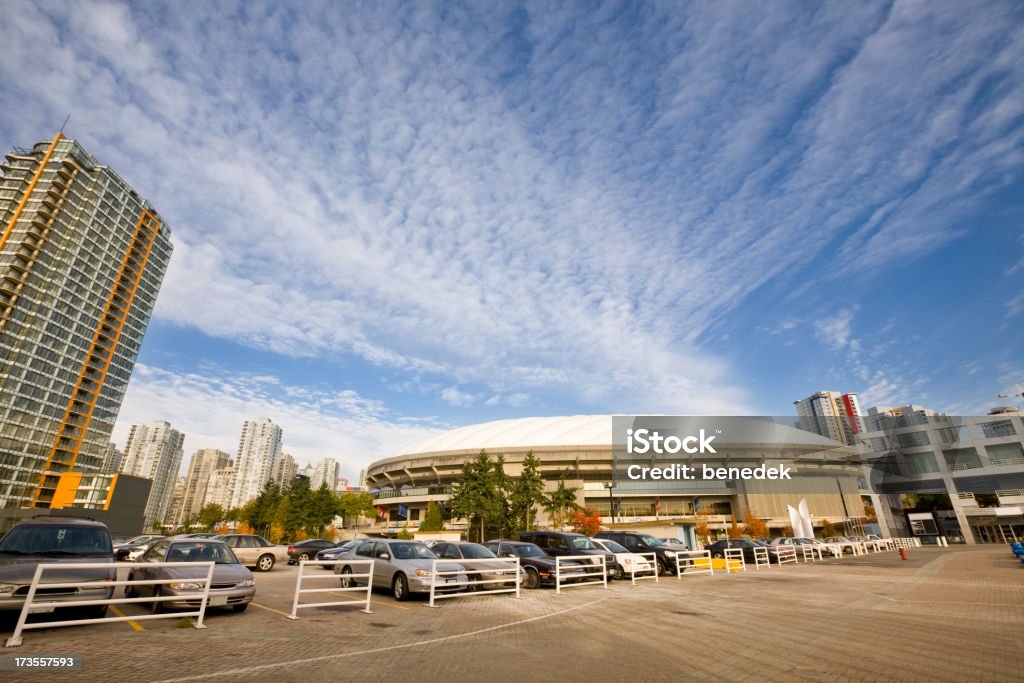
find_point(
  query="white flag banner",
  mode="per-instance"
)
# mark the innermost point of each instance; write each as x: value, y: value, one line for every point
x: 795, y: 522
x: 806, y: 528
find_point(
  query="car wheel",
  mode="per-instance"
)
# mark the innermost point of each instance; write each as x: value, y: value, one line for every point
x: 532, y: 579
x: 662, y: 568
x: 265, y: 563
x: 157, y: 606
x: 303, y: 557
x: 240, y: 608
x: 346, y: 578
x: 129, y: 591
x: 717, y: 555
x: 400, y: 587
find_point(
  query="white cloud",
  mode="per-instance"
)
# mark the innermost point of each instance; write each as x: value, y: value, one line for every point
x: 454, y: 397
x: 210, y: 409
x: 837, y: 329
x: 527, y: 201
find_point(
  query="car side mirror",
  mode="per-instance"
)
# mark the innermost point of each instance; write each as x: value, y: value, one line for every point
x: 384, y: 556
x: 122, y: 553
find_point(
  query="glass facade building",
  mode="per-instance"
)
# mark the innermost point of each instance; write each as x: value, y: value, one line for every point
x: 82, y: 257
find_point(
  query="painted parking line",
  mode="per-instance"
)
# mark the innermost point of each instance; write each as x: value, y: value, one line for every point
x: 376, y: 604
x: 270, y: 609
x: 133, y: 624
x: 260, y: 668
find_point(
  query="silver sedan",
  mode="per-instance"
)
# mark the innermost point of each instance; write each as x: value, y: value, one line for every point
x: 403, y: 567
x: 232, y: 584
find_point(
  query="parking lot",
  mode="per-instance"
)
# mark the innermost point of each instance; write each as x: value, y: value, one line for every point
x: 944, y: 614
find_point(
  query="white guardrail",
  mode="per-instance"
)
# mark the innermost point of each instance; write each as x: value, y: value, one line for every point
x: 589, y: 570
x: 486, y: 576
x: 693, y: 562
x: 761, y: 558
x: 732, y: 555
x: 651, y: 573
x: 43, y: 606
x: 347, y: 577
x: 787, y: 553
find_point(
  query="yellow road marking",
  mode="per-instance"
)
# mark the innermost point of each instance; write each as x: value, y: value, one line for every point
x: 270, y: 609
x: 386, y: 604
x: 133, y: 624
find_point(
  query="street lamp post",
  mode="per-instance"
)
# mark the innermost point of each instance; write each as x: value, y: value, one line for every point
x: 611, y: 501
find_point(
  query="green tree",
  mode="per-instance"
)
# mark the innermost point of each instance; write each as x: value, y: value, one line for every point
x: 432, y: 519
x: 323, y: 508
x: 352, y: 505
x: 259, y: 512
x: 300, y: 504
x: 527, y: 492
x: 477, y: 497
x: 211, y: 515
x: 560, y: 503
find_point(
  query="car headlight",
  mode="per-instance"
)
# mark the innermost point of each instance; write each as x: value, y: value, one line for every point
x: 186, y: 586
x: 6, y: 588
x: 670, y: 553
x: 247, y: 583
x: 424, y: 572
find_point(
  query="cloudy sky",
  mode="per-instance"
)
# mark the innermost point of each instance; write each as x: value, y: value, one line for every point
x: 393, y: 218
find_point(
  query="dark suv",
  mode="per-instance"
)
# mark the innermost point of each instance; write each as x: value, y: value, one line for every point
x: 56, y: 540
x: 539, y: 567
x: 636, y: 542
x: 562, y: 543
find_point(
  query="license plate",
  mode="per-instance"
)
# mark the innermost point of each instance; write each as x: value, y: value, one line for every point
x: 450, y: 580
x: 218, y: 600
x: 42, y: 610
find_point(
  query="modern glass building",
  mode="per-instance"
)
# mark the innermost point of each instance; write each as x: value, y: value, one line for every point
x: 82, y: 257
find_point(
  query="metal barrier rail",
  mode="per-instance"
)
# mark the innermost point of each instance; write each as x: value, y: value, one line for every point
x: 354, y: 588
x: 731, y: 555
x: 513, y: 570
x: 651, y: 573
x: 787, y: 554
x: 588, y: 568
x: 32, y: 606
x: 696, y: 562
x: 761, y: 558
x: 809, y: 552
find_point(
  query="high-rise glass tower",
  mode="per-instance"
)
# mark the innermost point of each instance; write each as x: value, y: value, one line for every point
x: 82, y: 257
x: 259, y: 450
x: 154, y: 452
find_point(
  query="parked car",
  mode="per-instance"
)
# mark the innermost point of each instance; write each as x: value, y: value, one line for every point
x: 232, y: 584
x: 49, y: 540
x: 538, y: 565
x: 745, y: 544
x: 334, y: 552
x: 255, y: 551
x: 404, y: 567
x: 131, y: 549
x: 844, y: 543
x: 197, y: 534
x: 629, y: 563
x: 474, y: 557
x: 637, y: 542
x: 301, y: 551
x: 566, y: 544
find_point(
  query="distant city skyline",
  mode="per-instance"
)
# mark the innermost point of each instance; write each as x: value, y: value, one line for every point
x: 392, y: 219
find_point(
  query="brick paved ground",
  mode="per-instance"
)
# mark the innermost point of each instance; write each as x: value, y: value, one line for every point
x: 944, y: 615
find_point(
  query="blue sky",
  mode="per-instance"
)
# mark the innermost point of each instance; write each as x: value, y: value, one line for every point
x: 393, y: 218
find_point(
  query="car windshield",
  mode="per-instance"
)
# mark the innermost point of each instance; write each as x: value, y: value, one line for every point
x: 411, y: 551
x: 55, y: 539
x: 650, y: 541
x: 612, y: 546
x: 141, y: 539
x: 583, y: 543
x: 528, y: 550
x: 199, y: 551
x: 472, y: 551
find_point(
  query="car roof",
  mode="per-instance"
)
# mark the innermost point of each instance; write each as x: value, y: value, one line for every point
x: 53, y: 519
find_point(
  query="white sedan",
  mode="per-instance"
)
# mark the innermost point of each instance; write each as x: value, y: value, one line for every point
x: 631, y: 563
